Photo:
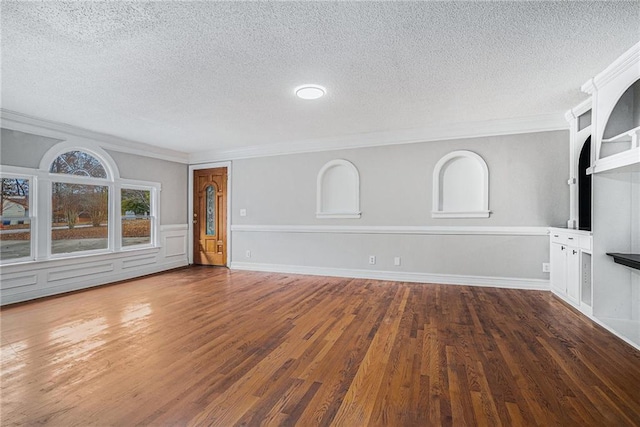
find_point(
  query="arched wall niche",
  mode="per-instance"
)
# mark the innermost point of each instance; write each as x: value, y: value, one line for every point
x: 461, y: 186
x: 338, y: 190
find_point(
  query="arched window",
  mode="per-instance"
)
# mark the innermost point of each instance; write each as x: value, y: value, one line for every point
x: 82, y: 192
x: 92, y: 209
x: 461, y: 186
x: 338, y: 190
x: 75, y: 202
x: 78, y: 163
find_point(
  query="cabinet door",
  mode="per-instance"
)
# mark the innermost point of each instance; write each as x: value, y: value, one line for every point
x: 559, y: 268
x: 573, y: 274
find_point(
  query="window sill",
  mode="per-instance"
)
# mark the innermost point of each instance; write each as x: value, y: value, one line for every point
x: 76, y: 259
x: 137, y: 247
x: 473, y: 214
x: 338, y: 215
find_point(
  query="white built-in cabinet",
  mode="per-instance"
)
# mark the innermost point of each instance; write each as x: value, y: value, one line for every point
x: 590, y: 279
x: 570, y: 252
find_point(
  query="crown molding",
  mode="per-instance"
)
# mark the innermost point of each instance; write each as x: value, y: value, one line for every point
x: 618, y: 66
x: 543, y: 123
x: 24, y: 123
x: 578, y: 110
x: 520, y: 125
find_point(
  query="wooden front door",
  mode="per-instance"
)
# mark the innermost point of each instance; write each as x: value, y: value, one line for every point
x: 210, y: 216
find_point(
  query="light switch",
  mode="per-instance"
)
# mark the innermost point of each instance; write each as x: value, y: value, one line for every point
x: 243, y: 212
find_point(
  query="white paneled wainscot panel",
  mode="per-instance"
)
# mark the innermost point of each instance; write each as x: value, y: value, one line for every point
x: 174, y: 240
x: 25, y: 281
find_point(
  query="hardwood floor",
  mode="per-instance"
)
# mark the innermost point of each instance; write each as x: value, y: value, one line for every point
x: 206, y: 346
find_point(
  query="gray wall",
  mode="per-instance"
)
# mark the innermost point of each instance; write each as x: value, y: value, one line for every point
x: 528, y: 183
x: 23, y: 149
x: 26, y: 150
x: 173, y: 177
x: 528, y: 187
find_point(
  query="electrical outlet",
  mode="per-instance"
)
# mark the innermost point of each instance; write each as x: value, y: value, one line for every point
x: 546, y: 267
x: 396, y: 261
x: 248, y: 254
x: 243, y: 212
x: 372, y: 259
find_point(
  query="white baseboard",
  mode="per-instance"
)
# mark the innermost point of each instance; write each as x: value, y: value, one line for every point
x: 398, y: 276
x: 615, y: 332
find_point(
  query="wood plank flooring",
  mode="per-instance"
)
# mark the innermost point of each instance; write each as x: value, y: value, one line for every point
x: 206, y: 346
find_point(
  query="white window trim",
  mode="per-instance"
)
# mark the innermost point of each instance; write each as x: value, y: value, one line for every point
x: 154, y: 188
x: 40, y: 205
x: 12, y: 172
x: 74, y: 144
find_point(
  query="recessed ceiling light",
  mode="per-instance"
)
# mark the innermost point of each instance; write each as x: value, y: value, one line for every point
x: 310, y: 91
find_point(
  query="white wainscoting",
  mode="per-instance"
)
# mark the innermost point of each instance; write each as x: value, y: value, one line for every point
x: 379, y: 237
x: 399, y: 276
x: 26, y: 281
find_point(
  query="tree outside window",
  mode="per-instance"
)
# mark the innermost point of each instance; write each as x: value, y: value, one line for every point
x: 80, y: 217
x: 85, y: 189
x: 136, y: 219
x: 15, y: 226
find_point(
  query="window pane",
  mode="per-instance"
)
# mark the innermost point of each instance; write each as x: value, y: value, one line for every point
x: 78, y: 163
x: 80, y: 217
x: 15, y: 229
x: 211, y: 211
x: 136, y: 222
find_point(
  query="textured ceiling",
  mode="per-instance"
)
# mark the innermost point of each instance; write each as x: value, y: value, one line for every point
x: 197, y: 76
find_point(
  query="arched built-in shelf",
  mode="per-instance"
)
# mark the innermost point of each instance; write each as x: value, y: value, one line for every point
x: 616, y: 115
x: 622, y: 129
x: 338, y: 190
x: 461, y: 186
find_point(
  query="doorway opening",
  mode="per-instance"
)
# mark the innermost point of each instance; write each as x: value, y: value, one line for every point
x: 210, y: 216
x: 584, y: 187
